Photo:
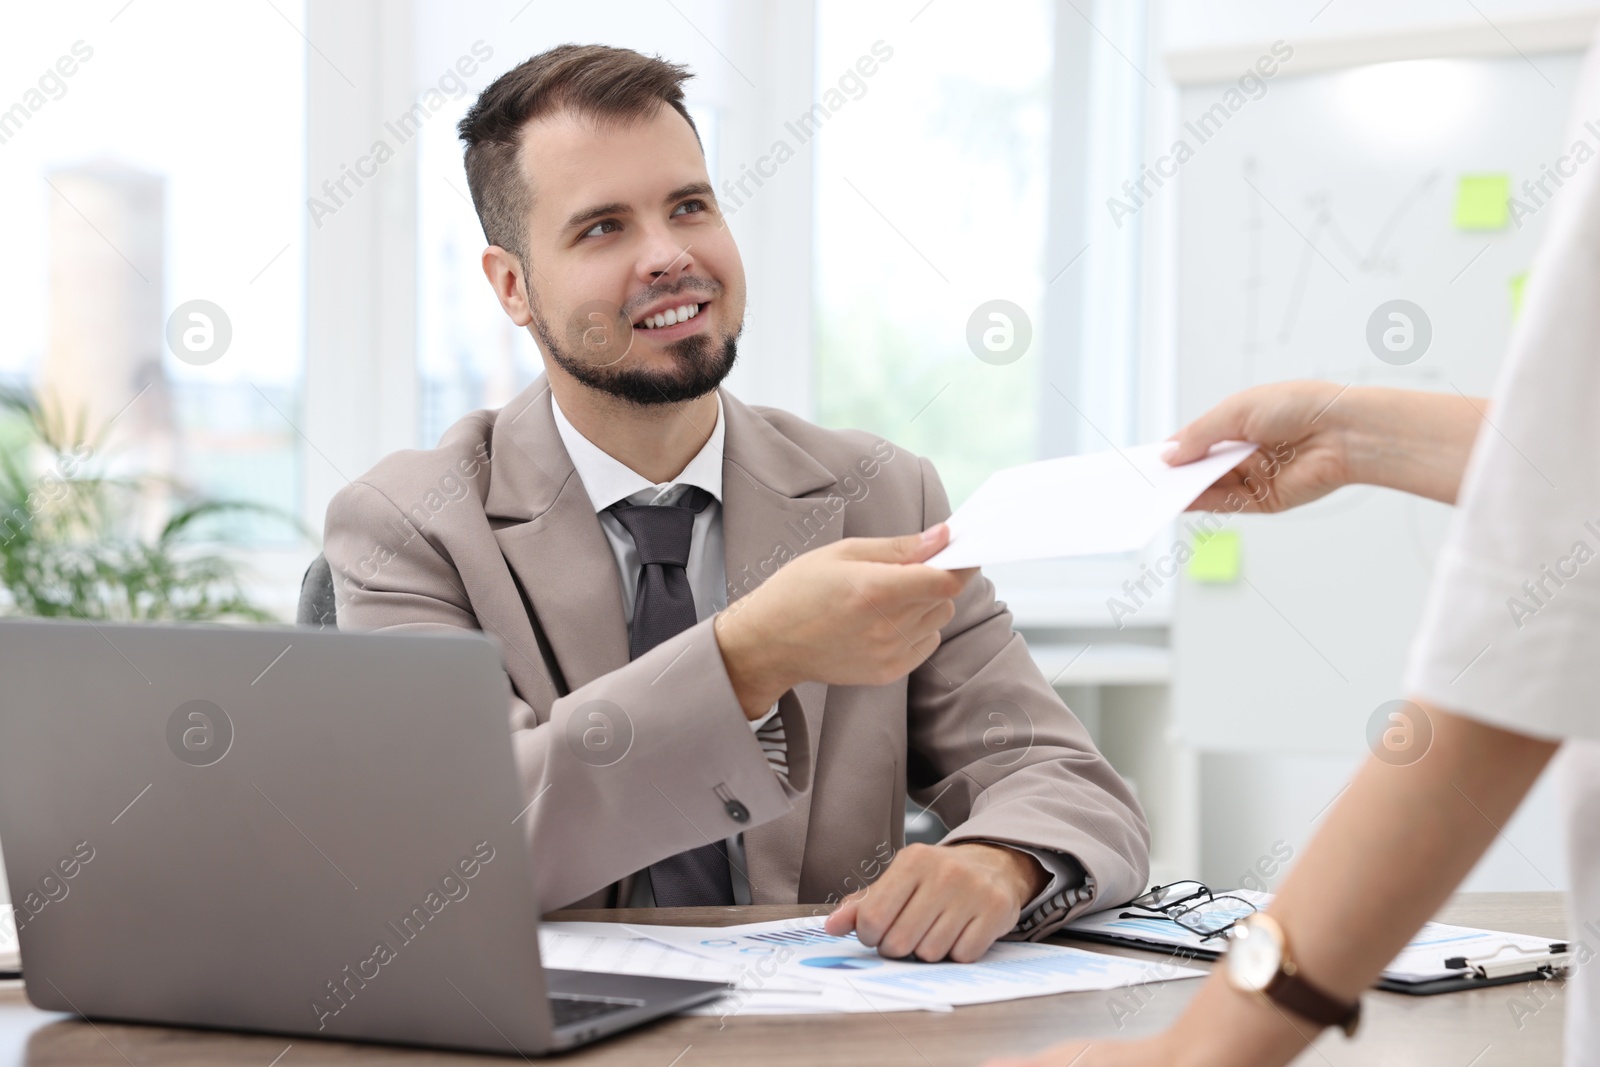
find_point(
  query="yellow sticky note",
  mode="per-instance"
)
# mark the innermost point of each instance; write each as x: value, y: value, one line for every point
x: 1518, y: 281
x: 1216, y: 557
x: 1483, y: 202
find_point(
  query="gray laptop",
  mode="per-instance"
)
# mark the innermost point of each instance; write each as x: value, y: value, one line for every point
x: 308, y: 833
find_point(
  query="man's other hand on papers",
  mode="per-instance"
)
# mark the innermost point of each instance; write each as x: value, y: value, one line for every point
x: 940, y: 902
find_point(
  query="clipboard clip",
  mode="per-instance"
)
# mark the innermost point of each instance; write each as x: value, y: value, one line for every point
x: 1556, y: 961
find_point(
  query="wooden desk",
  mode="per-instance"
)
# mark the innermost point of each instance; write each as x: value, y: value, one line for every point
x: 1457, y: 1029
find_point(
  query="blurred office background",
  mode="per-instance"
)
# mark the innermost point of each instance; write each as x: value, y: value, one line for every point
x: 265, y: 164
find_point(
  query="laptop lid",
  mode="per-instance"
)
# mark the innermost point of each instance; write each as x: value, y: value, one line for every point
x: 313, y: 833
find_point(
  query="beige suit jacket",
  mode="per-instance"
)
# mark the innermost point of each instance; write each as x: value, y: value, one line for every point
x: 625, y: 763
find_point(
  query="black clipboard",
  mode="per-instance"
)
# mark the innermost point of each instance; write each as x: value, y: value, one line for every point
x: 1425, y: 988
x: 1456, y: 985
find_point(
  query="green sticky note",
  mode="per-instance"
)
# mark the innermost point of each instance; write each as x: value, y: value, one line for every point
x: 1216, y: 557
x: 1483, y: 202
x: 1517, y: 283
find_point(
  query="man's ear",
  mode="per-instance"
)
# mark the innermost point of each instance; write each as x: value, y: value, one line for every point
x: 504, y: 271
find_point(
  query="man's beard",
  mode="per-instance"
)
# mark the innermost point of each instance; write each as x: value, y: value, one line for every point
x: 699, y: 365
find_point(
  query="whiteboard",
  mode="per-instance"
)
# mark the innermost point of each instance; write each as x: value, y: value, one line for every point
x: 1328, y: 196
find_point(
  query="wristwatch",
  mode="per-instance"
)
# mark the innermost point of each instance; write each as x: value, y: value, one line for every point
x: 1259, y: 961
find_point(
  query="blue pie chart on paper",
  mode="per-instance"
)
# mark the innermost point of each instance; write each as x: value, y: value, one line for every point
x: 841, y: 963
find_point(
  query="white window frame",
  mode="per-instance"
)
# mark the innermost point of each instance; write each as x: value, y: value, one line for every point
x: 360, y: 381
x: 1101, y: 95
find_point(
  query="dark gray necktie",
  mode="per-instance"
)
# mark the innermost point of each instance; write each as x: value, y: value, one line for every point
x: 663, y: 607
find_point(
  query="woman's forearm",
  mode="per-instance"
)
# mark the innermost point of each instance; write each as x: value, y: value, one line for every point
x: 1391, y: 851
x: 1408, y: 440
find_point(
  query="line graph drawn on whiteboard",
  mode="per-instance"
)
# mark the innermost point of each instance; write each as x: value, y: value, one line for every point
x: 1325, y: 236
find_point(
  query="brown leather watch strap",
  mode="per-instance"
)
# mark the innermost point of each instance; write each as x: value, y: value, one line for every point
x: 1307, y: 1001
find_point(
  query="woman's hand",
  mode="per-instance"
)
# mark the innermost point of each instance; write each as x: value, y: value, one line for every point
x: 1318, y: 436
x: 1304, y: 453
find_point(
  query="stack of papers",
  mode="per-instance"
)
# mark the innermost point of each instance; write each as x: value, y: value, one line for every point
x: 1079, y: 505
x: 1423, y: 960
x: 614, y: 948
x: 791, y: 967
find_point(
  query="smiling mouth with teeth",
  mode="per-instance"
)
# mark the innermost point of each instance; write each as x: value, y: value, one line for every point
x: 669, y: 317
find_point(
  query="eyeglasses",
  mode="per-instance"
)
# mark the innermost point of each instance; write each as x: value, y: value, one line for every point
x: 1192, y: 906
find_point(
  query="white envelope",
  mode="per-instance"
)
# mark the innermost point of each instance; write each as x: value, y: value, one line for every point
x: 1079, y: 505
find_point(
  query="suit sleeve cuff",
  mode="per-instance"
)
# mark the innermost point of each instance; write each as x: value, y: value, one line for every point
x: 1069, y: 887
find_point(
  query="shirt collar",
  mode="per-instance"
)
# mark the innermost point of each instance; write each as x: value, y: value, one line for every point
x: 609, y: 480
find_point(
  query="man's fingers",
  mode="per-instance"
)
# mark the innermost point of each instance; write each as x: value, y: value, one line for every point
x: 908, y: 929
x: 942, y: 934
x: 933, y: 619
x: 925, y: 647
x: 903, y: 581
x: 975, y: 940
x: 881, y: 903
x: 891, y: 588
x: 907, y: 548
x: 843, y: 918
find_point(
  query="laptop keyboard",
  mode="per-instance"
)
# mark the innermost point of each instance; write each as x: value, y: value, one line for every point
x: 568, y: 1009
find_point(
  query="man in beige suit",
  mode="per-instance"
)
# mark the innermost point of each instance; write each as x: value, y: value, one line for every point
x: 728, y: 666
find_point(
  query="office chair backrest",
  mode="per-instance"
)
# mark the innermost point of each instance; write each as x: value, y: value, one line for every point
x: 316, y: 608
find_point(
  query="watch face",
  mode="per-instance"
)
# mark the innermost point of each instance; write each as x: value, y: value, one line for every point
x: 1253, y: 957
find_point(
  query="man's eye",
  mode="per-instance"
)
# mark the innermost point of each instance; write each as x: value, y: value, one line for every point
x: 689, y: 206
x: 606, y: 226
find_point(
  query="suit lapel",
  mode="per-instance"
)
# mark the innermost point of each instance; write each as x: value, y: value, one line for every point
x: 552, y: 541
x: 767, y: 519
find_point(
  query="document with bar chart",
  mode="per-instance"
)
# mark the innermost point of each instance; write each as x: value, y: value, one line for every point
x: 798, y: 948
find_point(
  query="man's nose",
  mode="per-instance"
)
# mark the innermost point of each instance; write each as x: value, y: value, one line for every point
x: 664, y: 259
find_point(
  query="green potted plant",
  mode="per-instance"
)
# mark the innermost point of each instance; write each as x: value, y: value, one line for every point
x: 70, y: 544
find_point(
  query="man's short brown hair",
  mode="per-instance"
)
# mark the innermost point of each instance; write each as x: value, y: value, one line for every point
x: 598, y: 81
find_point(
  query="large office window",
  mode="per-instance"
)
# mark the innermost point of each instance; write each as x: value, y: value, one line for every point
x: 152, y: 163
x: 469, y: 354
x: 931, y: 204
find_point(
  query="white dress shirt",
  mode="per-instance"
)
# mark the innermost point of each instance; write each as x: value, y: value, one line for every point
x: 1513, y: 614
x: 609, y: 481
